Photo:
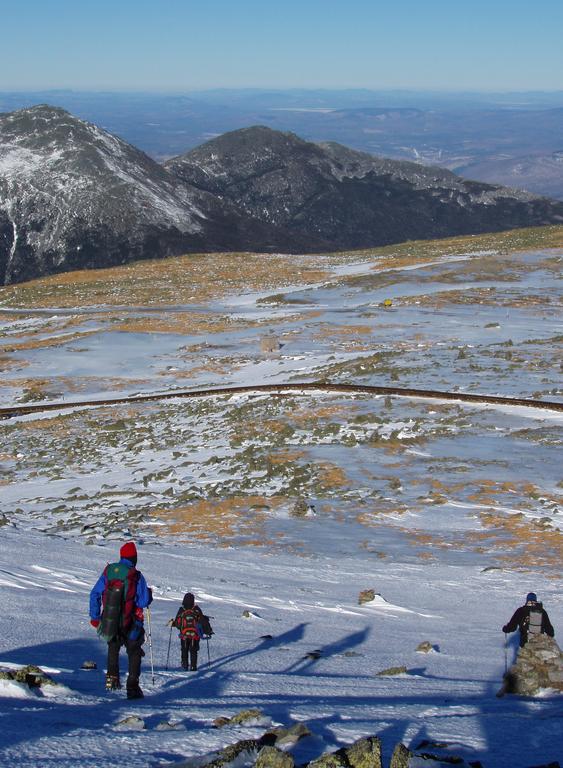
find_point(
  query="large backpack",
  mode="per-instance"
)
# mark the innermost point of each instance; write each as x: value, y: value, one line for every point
x: 535, y: 617
x: 205, y: 625
x: 188, y: 624
x: 118, y: 601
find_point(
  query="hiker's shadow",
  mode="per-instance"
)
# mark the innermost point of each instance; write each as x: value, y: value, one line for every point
x: 339, y: 647
x: 267, y: 642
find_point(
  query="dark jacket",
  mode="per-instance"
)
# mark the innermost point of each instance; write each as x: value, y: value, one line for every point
x: 521, y: 620
x: 189, y: 603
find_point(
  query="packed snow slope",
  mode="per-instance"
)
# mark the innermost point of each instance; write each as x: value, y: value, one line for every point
x: 448, y: 512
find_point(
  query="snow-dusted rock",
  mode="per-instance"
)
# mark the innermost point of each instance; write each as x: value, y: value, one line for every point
x: 539, y: 664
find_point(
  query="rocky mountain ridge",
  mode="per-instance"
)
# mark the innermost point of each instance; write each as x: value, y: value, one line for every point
x: 341, y: 198
x: 74, y: 196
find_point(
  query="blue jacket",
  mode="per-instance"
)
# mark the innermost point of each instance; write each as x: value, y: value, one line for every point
x: 143, y: 595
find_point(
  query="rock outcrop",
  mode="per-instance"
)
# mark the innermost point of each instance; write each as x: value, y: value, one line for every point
x: 539, y: 664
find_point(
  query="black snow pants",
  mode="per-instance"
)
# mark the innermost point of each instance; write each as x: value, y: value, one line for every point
x: 190, y: 647
x: 134, y: 654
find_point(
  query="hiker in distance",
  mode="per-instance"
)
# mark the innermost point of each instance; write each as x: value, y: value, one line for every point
x: 116, y: 611
x: 531, y: 619
x: 192, y: 626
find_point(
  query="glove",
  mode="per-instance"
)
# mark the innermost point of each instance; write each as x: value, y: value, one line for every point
x: 504, y: 629
x: 170, y: 623
x: 95, y: 623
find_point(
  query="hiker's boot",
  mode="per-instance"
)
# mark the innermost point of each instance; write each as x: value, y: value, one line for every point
x: 193, y: 667
x: 112, y: 683
x: 133, y: 690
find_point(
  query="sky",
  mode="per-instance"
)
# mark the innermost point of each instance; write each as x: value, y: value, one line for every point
x: 184, y: 45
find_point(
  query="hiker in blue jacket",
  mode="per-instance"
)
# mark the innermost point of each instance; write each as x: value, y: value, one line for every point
x: 116, y: 611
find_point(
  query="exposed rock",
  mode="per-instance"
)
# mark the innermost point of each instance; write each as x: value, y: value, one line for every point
x: 366, y: 596
x: 89, y: 665
x: 316, y: 654
x: 299, y: 509
x: 365, y: 753
x: 246, y: 716
x: 392, y: 671
x: 230, y: 753
x: 330, y: 760
x: 539, y: 664
x: 130, y: 723
x: 269, y: 344
x: 221, y: 722
x: 33, y: 676
x: 400, y: 757
x: 166, y: 725
x: 289, y: 736
x: 272, y: 757
x: 425, y: 647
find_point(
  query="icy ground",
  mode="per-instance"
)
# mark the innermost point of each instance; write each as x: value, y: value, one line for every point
x: 450, y: 512
x: 306, y: 604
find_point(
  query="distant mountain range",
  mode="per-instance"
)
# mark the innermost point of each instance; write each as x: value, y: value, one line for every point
x: 75, y: 196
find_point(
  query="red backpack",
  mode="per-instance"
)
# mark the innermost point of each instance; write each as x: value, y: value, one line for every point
x: 188, y: 624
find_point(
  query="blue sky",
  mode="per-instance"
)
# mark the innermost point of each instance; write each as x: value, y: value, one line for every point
x: 180, y: 45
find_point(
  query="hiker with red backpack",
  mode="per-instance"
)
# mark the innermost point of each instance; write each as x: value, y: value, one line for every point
x: 192, y: 625
x: 531, y: 619
x: 116, y: 611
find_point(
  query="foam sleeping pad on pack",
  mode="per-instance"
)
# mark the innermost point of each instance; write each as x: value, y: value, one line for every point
x: 111, y: 617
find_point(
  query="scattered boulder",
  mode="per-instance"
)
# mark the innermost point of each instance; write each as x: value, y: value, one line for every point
x: 300, y: 508
x: 246, y: 614
x: 244, y: 717
x: 400, y: 757
x: 392, y: 671
x: 365, y: 753
x: 220, y: 722
x: 247, y: 747
x: 426, y: 647
x: 247, y: 717
x: 330, y: 760
x: 32, y: 676
x: 272, y: 757
x: 287, y: 737
x: 166, y: 725
x: 539, y: 664
x: 366, y: 596
x: 269, y: 344
x: 89, y: 665
x: 130, y: 723
x: 316, y: 654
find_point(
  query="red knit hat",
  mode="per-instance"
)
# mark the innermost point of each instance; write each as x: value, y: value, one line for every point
x: 128, y: 550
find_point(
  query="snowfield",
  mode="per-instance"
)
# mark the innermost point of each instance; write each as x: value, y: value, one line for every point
x: 305, y: 604
x: 449, y: 512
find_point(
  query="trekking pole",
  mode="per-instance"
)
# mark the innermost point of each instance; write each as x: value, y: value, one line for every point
x: 168, y: 654
x: 150, y: 642
x: 208, y: 656
x: 505, y: 653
